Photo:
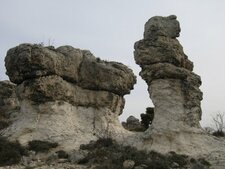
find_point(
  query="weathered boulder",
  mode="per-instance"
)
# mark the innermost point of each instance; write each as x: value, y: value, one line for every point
x: 110, y: 76
x: 133, y: 124
x: 28, y: 61
x: 173, y: 87
x: 66, y: 95
x: 174, y: 90
x: 54, y: 88
x: 161, y: 50
x: 162, y: 26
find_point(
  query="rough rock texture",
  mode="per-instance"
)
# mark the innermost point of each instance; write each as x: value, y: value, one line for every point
x: 173, y: 87
x: 8, y: 103
x: 66, y: 95
x: 133, y: 124
x: 8, y: 98
x: 174, y: 90
x: 28, y: 61
x: 52, y: 88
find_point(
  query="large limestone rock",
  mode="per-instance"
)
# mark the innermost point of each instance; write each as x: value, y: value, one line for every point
x: 162, y: 26
x: 173, y: 87
x: 66, y: 95
x: 77, y: 66
x: 174, y: 90
x: 53, y: 88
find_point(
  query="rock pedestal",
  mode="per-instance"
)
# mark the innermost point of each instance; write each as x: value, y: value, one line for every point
x: 174, y: 90
x: 66, y: 95
x: 173, y: 87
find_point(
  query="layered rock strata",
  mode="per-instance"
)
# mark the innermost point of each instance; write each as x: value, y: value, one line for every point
x: 77, y: 66
x: 174, y: 90
x: 133, y: 124
x: 173, y: 87
x: 66, y: 95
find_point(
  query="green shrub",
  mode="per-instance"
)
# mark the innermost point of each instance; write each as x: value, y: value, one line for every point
x: 4, y: 124
x: 62, y: 154
x: 10, y: 152
x: 219, y: 133
x: 182, y: 160
x: 108, y: 154
x: 41, y: 146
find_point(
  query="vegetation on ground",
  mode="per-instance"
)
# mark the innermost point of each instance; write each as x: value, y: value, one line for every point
x: 10, y: 152
x: 41, y: 146
x: 106, y: 153
x: 219, y: 123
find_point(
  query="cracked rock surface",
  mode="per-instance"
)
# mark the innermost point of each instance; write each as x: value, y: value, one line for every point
x: 66, y: 95
x: 173, y: 87
x: 77, y: 66
x: 174, y: 90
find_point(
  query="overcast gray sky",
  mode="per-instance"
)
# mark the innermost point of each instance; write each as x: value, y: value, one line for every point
x: 110, y: 28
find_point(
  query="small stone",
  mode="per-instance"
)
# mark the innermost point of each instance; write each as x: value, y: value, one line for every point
x: 175, y: 165
x: 142, y: 166
x: 128, y: 164
x: 62, y: 160
x: 53, y: 158
x: 77, y: 155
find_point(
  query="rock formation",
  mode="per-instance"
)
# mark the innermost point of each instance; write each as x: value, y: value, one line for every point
x: 174, y: 90
x: 66, y: 95
x: 173, y: 87
x: 133, y: 124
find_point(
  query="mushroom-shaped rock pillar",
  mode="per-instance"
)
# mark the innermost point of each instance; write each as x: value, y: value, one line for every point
x: 172, y: 85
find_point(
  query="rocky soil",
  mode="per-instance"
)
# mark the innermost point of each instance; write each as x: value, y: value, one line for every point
x: 104, y: 153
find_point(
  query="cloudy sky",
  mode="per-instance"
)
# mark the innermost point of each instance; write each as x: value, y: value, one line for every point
x: 110, y: 28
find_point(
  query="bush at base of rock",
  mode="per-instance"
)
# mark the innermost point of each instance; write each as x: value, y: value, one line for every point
x: 41, y: 146
x: 219, y: 133
x: 62, y: 154
x: 10, y: 152
x: 147, y: 118
x: 108, y: 154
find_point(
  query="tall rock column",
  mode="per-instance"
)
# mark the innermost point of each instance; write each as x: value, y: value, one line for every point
x: 172, y: 85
